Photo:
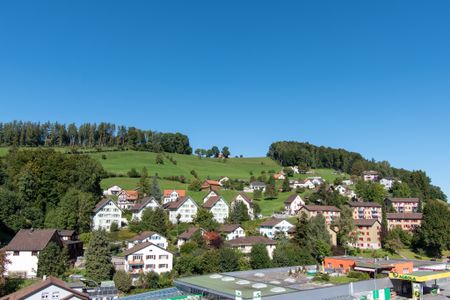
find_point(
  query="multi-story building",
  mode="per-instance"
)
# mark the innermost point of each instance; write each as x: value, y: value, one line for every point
x: 366, y: 210
x: 242, y: 197
x: 370, y: 175
x: 232, y: 231
x: 218, y: 207
x: 367, y: 234
x: 127, y: 198
x: 138, y: 209
x: 330, y: 213
x: 183, y: 210
x: 273, y: 227
x: 148, y: 236
x: 172, y: 195
x: 407, y: 221
x: 106, y: 212
x: 23, y: 250
x: 146, y: 257
x: 293, y: 204
x: 404, y: 205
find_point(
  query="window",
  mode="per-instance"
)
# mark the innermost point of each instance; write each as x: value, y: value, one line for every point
x: 34, y: 253
x: 55, y: 295
x: 163, y: 257
x: 151, y: 256
x: 162, y: 266
x: 44, y: 296
x: 16, y: 253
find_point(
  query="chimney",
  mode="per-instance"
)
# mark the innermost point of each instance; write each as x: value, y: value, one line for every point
x: 44, y: 277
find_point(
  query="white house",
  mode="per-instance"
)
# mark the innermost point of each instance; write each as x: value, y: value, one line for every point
x: 146, y: 257
x: 143, y: 204
x: 218, y: 207
x: 272, y: 227
x: 306, y: 183
x: 316, y: 180
x: 209, y: 195
x: 347, y: 182
x: 387, y: 183
x: 23, y: 250
x: 258, y: 185
x: 293, y: 204
x: 172, y: 195
x: 127, y: 198
x: 185, y: 207
x: 370, y: 175
x: 148, y: 236
x: 50, y: 288
x: 342, y: 190
x: 242, y: 197
x: 245, y: 244
x: 224, y: 179
x: 187, y: 235
x: 106, y: 212
x: 232, y: 231
x: 112, y: 191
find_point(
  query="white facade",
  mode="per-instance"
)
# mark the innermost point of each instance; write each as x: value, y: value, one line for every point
x: 187, y: 211
x: 220, y: 211
x: 173, y: 196
x: 237, y: 233
x: 258, y: 186
x: 292, y: 207
x: 52, y: 292
x: 23, y: 263
x: 347, y: 182
x: 113, y: 190
x: 387, y: 183
x: 247, y: 249
x: 109, y: 213
x: 137, y: 215
x: 240, y: 198
x: 155, y: 238
x: 272, y: 230
x: 307, y: 184
x: 150, y: 258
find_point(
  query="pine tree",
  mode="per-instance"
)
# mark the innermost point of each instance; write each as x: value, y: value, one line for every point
x: 52, y: 260
x: 143, y: 182
x: 4, y: 261
x: 122, y: 281
x: 155, y: 220
x: 259, y: 258
x: 155, y: 190
x: 286, y: 187
x: 98, y: 257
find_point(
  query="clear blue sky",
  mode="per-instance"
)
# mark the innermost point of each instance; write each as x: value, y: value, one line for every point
x: 368, y: 76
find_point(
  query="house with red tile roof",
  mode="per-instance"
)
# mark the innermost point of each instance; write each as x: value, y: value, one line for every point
x: 172, y: 195
x: 218, y: 207
x: 210, y: 185
x: 127, y: 199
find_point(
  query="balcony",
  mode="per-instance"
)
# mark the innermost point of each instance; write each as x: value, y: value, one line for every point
x: 136, y: 262
x: 135, y: 271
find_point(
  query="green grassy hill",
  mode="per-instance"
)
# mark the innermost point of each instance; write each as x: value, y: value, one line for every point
x: 120, y: 162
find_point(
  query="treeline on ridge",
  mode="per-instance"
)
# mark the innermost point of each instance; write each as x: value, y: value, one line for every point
x: 290, y: 153
x: 31, y: 134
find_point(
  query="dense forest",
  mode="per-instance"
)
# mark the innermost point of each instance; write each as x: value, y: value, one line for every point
x: 44, y: 188
x: 30, y: 134
x: 311, y: 156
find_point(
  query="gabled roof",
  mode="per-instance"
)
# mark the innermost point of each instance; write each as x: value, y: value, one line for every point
x: 143, y: 235
x: 291, y: 198
x: 210, y: 182
x: 228, y: 228
x: 370, y: 172
x: 363, y: 204
x: 212, y: 201
x: 404, y: 216
x: 102, y: 203
x: 181, y: 193
x: 321, y: 208
x: 142, y: 203
x: 414, y: 200
x: 251, y: 240
x: 188, y: 233
x: 365, y: 222
x: 38, y: 286
x: 272, y: 222
x: 174, y: 205
x: 32, y: 239
x: 65, y: 232
x: 244, y: 195
x: 141, y: 246
x: 131, y: 194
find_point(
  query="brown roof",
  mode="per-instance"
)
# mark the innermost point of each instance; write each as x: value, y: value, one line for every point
x: 210, y: 182
x: 244, y: 195
x: 321, y: 208
x: 404, y: 216
x: 293, y: 229
x: 291, y: 199
x: 271, y: 222
x: 176, y: 204
x: 227, y: 228
x: 363, y: 204
x: 181, y: 193
x: 370, y: 172
x: 32, y: 239
x: 66, y: 232
x: 251, y: 240
x: 142, y: 235
x: 211, y: 201
x: 365, y: 222
x: 140, y: 247
x: 102, y: 203
x: 38, y: 286
x: 142, y: 203
x: 414, y: 200
x: 188, y: 233
x: 131, y: 194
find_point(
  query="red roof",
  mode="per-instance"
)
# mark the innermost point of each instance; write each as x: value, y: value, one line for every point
x: 210, y: 182
x: 131, y: 194
x: 181, y: 193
